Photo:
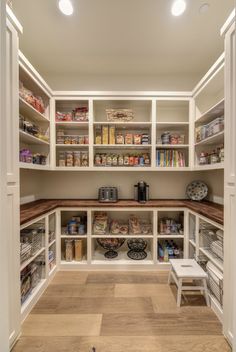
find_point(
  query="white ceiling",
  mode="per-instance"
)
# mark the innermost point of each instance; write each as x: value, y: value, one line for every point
x: 121, y: 38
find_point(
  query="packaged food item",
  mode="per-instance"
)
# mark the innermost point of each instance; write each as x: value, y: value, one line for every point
x: 69, y: 159
x: 69, y: 250
x: 120, y: 160
x: 100, y: 224
x: 98, y: 135
x: 128, y: 138
x: 214, y: 157
x: 104, y: 159
x: 98, y: 160
x: 62, y: 159
x: 119, y: 115
x: 86, y: 139
x: 145, y: 138
x: 120, y: 138
x: 80, y: 114
x: 112, y: 132
x: 137, y: 139
x: 108, y: 160
x: 134, y: 225
x: 80, y: 139
x: 131, y: 160
x: 203, y: 159
x: 126, y: 160
x: 84, y: 159
x: 165, y: 137
x: 78, y: 250
x: 73, y: 140
x: 72, y: 227
x: 105, y: 136
x: 114, y: 160
x: 67, y: 140
x: 115, y: 227
x: 77, y: 159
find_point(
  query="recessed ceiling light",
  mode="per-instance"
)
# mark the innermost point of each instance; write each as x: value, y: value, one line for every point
x: 178, y: 7
x: 66, y: 7
x: 204, y: 8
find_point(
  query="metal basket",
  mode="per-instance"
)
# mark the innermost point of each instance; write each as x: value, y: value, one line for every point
x: 215, y: 282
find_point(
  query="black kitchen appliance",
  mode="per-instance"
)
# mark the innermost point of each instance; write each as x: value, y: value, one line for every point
x: 141, y: 192
x: 108, y: 195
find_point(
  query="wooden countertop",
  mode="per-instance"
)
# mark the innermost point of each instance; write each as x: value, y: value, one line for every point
x: 30, y: 211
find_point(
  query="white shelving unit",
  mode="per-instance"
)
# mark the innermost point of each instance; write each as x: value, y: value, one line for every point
x: 199, y: 249
x: 32, y: 81
x: 48, y: 268
x: 209, y: 105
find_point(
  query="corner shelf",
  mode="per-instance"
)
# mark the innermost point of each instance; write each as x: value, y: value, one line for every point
x: 33, y: 166
x: 212, y: 140
x: 30, y: 139
x: 213, y: 112
x: 31, y: 112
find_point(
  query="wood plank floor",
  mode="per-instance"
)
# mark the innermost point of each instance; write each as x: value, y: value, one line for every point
x: 119, y: 312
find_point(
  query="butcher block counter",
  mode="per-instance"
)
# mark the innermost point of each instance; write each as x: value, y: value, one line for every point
x: 30, y: 211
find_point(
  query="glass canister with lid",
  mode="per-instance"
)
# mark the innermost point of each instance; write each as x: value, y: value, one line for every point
x: 69, y: 249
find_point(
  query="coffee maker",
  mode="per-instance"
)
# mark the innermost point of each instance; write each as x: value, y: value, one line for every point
x: 141, y: 192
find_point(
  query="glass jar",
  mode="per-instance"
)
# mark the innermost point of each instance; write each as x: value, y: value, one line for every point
x: 69, y: 250
x: 78, y: 250
x: 222, y: 154
x: 214, y: 158
x: 203, y: 159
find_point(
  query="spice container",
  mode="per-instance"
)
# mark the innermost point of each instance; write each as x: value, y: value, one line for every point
x: 128, y: 138
x: 120, y: 138
x: 69, y: 250
x: 78, y: 250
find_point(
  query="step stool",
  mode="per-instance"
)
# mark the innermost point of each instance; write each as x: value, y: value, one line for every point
x: 187, y: 269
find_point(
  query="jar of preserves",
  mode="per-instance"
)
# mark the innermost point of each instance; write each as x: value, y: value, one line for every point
x: 214, y: 158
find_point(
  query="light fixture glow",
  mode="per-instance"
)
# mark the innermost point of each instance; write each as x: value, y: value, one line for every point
x: 178, y: 7
x: 66, y: 7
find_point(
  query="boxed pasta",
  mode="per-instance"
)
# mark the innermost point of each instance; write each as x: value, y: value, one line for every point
x: 105, y: 135
x: 112, y: 133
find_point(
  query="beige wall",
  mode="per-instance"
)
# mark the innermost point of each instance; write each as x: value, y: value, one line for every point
x: 85, y: 184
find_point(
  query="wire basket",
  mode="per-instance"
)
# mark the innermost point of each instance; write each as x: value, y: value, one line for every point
x: 213, y: 244
x: 25, y: 252
x: 33, y: 237
x: 215, y: 282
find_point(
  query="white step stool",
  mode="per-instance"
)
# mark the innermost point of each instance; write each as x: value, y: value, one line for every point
x: 182, y: 269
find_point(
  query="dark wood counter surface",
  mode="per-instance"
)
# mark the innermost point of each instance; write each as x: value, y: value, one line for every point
x: 30, y: 211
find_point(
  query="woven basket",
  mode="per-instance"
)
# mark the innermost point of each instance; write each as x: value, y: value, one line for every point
x: 119, y: 115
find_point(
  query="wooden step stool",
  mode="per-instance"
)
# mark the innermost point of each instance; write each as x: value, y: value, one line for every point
x: 187, y: 269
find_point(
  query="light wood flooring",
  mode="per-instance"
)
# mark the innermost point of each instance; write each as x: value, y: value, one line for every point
x: 119, y: 312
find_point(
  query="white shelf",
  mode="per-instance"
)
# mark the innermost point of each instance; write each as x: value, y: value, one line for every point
x: 72, y: 146
x: 210, y: 166
x: 215, y: 139
x: 73, y: 236
x: 123, y: 168
x: 32, y: 295
x: 122, y: 236
x: 30, y: 260
x: 215, y: 111
x: 73, y: 168
x: 172, y: 146
x: 121, y: 259
x: 163, y: 263
x: 172, y: 236
x: 29, y: 139
x: 123, y: 146
x: 174, y: 123
x: 51, y: 272
x: 51, y: 243
x: 72, y: 124
x: 29, y: 111
x: 74, y: 262
x: 33, y: 166
x: 193, y: 243
x: 214, y: 260
x: 171, y: 168
x: 128, y: 123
